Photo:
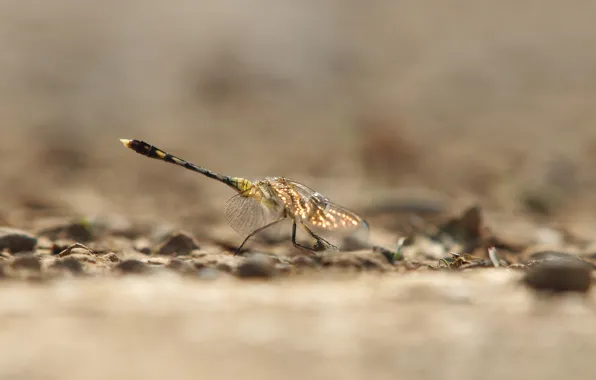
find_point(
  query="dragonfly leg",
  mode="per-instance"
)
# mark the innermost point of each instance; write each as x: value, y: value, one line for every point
x: 320, y: 242
x: 298, y: 245
x: 256, y: 232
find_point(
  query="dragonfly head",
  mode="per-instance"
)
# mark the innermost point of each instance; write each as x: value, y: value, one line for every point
x: 321, y: 201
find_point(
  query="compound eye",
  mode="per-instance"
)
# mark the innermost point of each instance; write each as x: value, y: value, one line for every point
x: 322, y: 201
x: 320, y: 198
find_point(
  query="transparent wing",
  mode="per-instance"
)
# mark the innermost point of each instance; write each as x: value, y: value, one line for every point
x: 246, y: 214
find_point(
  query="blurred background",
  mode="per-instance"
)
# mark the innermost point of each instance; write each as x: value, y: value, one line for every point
x: 489, y: 102
x: 379, y: 105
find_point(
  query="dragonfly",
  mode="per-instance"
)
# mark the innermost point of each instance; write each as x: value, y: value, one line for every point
x: 261, y: 204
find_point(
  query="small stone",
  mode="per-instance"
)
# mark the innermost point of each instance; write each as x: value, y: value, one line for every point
x: 283, y: 268
x: 257, y: 266
x: 16, y: 240
x: 111, y: 257
x: 70, y: 264
x: 77, y: 231
x: 180, y: 266
x: 466, y: 228
x: 83, y: 258
x: 133, y: 267
x: 223, y: 267
x: 365, y: 259
x: 80, y: 248
x: 28, y: 262
x: 545, y: 256
x: 142, y: 245
x: 558, y: 276
x: 373, y: 260
x: 178, y: 243
x: 304, y: 262
x: 341, y: 260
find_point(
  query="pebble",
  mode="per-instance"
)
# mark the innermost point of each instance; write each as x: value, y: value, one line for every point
x: 29, y: 262
x: 142, y: 245
x: 133, y: 267
x: 360, y: 260
x: 224, y: 267
x: 544, y: 256
x: 70, y: 264
x: 257, y: 266
x: 16, y: 240
x: 178, y: 243
x: 558, y: 276
x: 180, y: 266
x: 77, y: 231
x: 304, y: 262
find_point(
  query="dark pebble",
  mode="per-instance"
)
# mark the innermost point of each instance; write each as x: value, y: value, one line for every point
x: 70, y: 264
x: 142, y: 245
x: 359, y: 260
x: 558, y: 276
x: 179, y: 243
x: 555, y: 256
x: 304, y: 261
x: 180, y: 266
x: 28, y: 262
x: 133, y: 266
x: 78, y: 231
x: 552, y: 255
x: 257, y: 266
x: 16, y: 240
x: 341, y: 260
x: 283, y: 268
x: 372, y: 262
x: 111, y: 256
x: 223, y: 267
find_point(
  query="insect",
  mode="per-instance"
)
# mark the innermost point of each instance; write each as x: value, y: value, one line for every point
x: 268, y: 201
x: 456, y: 260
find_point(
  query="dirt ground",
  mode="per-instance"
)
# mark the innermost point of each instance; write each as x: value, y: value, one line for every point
x: 459, y: 126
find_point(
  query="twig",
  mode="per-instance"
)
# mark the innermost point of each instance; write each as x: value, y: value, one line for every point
x: 66, y: 252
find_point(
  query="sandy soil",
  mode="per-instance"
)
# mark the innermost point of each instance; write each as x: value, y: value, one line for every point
x: 461, y: 125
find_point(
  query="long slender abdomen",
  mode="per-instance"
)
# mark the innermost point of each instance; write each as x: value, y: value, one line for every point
x: 148, y: 150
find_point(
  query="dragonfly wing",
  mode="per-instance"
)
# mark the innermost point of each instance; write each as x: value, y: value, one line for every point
x: 334, y: 218
x: 246, y: 214
x: 328, y: 217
